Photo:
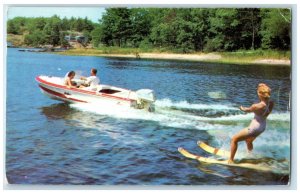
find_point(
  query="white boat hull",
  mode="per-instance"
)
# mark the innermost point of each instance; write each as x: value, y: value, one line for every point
x: 53, y: 88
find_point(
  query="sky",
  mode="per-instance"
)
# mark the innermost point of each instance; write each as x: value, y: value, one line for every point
x: 92, y: 13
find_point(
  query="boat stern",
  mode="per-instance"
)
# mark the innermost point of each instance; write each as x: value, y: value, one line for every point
x: 145, y: 99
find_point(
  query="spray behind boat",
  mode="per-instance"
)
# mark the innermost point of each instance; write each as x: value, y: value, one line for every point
x: 145, y: 100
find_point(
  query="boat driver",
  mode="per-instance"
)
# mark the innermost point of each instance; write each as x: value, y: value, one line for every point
x: 92, y: 81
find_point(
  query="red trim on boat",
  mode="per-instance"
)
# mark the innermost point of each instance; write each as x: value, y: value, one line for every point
x: 38, y: 79
x: 59, y: 94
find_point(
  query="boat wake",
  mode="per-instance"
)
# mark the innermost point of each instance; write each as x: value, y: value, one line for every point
x: 180, y: 115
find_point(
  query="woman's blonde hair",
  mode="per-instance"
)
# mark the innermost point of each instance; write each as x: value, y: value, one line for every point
x: 264, y: 90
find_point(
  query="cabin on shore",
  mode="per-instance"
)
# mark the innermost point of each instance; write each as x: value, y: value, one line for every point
x: 79, y: 39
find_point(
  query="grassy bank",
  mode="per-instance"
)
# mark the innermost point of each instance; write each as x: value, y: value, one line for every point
x: 239, y: 57
x: 117, y: 50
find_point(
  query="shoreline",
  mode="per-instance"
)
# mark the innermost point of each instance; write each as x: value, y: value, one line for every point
x: 214, y: 57
x: 201, y: 57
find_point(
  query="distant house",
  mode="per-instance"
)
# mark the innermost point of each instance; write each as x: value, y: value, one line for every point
x: 79, y: 39
x: 70, y: 38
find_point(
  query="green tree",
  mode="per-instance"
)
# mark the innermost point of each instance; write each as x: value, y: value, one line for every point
x: 16, y: 25
x: 33, y: 24
x: 88, y: 25
x: 164, y: 32
x: 224, y: 29
x: 141, y: 25
x: 201, y: 27
x: 184, y: 27
x: 250, y: 22
x: 79, y: 25
x: 52, y: 31
x: 35, y: 38
x: 12, y: 27
x: 159, y: 35
x: 97, y: 36
x: 72, y: 23
x: 276, y: 28
x: 116, y: 26
x: 66, y: 24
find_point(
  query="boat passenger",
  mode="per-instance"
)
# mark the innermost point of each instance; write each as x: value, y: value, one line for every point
x: 258, y: 124
x: 68, y: 80
x: 92, y: 81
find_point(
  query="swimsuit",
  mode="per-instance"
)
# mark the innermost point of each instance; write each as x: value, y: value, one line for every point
x: 258, y: 123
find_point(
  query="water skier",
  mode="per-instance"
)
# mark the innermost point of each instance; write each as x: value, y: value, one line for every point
x: 258, y: 124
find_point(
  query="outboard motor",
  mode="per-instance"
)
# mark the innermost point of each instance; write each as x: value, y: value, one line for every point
x: 146, y: 99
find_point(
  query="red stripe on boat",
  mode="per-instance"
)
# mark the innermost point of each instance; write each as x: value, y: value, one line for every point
x: 59, y: 94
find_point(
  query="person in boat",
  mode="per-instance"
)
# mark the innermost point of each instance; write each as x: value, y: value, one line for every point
x: 92, y: 81
x: 258, y: 124
x: 68, y: 80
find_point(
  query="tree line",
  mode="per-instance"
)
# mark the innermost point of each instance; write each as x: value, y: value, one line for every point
x: 178, y: 29
x: 42, y: 31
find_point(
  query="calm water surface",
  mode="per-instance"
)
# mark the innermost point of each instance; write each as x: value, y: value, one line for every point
x: 50, y: 142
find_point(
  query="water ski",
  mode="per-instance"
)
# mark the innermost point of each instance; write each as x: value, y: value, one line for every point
x: 223, y: 162
x: 212, y: 150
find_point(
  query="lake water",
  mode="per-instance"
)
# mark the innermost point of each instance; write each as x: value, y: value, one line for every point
x: 50, y: 142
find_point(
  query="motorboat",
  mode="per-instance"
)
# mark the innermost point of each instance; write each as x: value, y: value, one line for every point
x: 54, y: 88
